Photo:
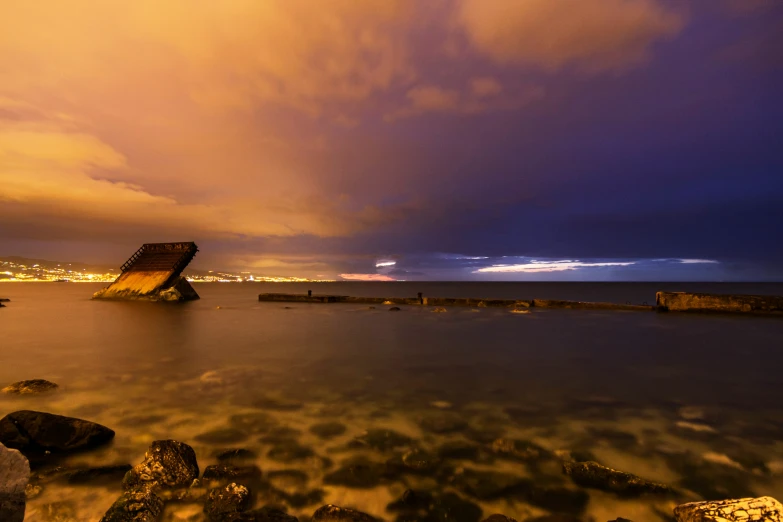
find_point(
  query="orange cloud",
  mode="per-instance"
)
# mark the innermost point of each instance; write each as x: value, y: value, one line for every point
x: 482, y: 95
x: 485, y: 87
x: 593, y: 36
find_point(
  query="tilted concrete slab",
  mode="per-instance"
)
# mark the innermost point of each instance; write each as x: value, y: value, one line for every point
x: 153, y: 273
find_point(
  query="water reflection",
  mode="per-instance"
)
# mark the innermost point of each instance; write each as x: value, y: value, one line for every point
x: 474, y: 411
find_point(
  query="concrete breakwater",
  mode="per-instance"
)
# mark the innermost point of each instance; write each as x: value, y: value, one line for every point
x: 694, y: 302
x: 450, y: 301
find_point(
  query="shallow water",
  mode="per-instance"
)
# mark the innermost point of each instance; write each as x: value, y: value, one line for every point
x: 689, y: 400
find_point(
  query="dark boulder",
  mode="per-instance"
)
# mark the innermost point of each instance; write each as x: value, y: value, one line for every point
x: 330, y: 513
x: 35, y: 432
x: 394, y: 309
x: 594, y: 475
x: 167, y: 463
x: 30, y: 387
x: 498, y: 518
x: 233, y: 498
x: 137, y: 505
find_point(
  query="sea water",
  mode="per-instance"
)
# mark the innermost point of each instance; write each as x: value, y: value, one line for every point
x: 693, y: 401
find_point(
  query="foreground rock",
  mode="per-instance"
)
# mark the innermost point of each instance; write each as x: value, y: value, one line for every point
x: 138, y: 505
x: 224, y: 502
x: 594, y: 475
x: 738, y: 510
x: 167, y: 464
x: 330, y: 513
x: 14, y: 476
x: 30, y: 387
x: 35, y: 432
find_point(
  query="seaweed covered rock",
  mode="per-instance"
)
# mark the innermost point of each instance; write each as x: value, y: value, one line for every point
x: 233, y: 498
x: 35, y: 432
x: 141, y: 504
x: 736, y: 510
x: 14, y: 476
x: 167, y: 463
x: 330, y: 513
x: 594, y: 475
x: 30, y: 387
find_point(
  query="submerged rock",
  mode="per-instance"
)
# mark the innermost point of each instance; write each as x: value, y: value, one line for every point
x: 101, y: 475
x: 265, y: 514
x: 34, y: 432
x: 30, y: 387
x: 167, y: 463
x: 233, y: 498
x: 256, y: 422
x: 420, y: 506
x: 460, y: 450
x: 278, y: 404
x: 381, y: 439
x: 443, y: 422
x: 737, y: 510
x: 237, y: 455
x: 520, y: 450
x: 330, y: 513
x: 63, y: 511
x: 487, y: 485
x: 327, y: 430
x: 137, y: 505
x: 222, y: 436
x: 227, y: 473
x: 498, y: 518
x: 594, y: 475
x: 289, y: 451
x: 357, y: 473
x: 14, y: 478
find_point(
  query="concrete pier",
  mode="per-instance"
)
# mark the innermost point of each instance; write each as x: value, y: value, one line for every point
x: 450, y: 301
x: 744, y: 304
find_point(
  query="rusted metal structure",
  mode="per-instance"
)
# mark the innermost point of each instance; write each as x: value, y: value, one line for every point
x: 154, y: 272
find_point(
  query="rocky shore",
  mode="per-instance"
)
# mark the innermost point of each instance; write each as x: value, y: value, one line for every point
x: 169, y: 485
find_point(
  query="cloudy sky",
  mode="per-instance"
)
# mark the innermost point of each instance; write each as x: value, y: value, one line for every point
x: 400, y: 139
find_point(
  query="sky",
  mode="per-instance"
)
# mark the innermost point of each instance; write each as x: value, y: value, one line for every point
x: 399, y: 139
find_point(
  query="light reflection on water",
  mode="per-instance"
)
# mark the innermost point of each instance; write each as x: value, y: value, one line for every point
x: 609, y: 385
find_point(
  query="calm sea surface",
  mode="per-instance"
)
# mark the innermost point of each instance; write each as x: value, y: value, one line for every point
x: 695, y: 401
